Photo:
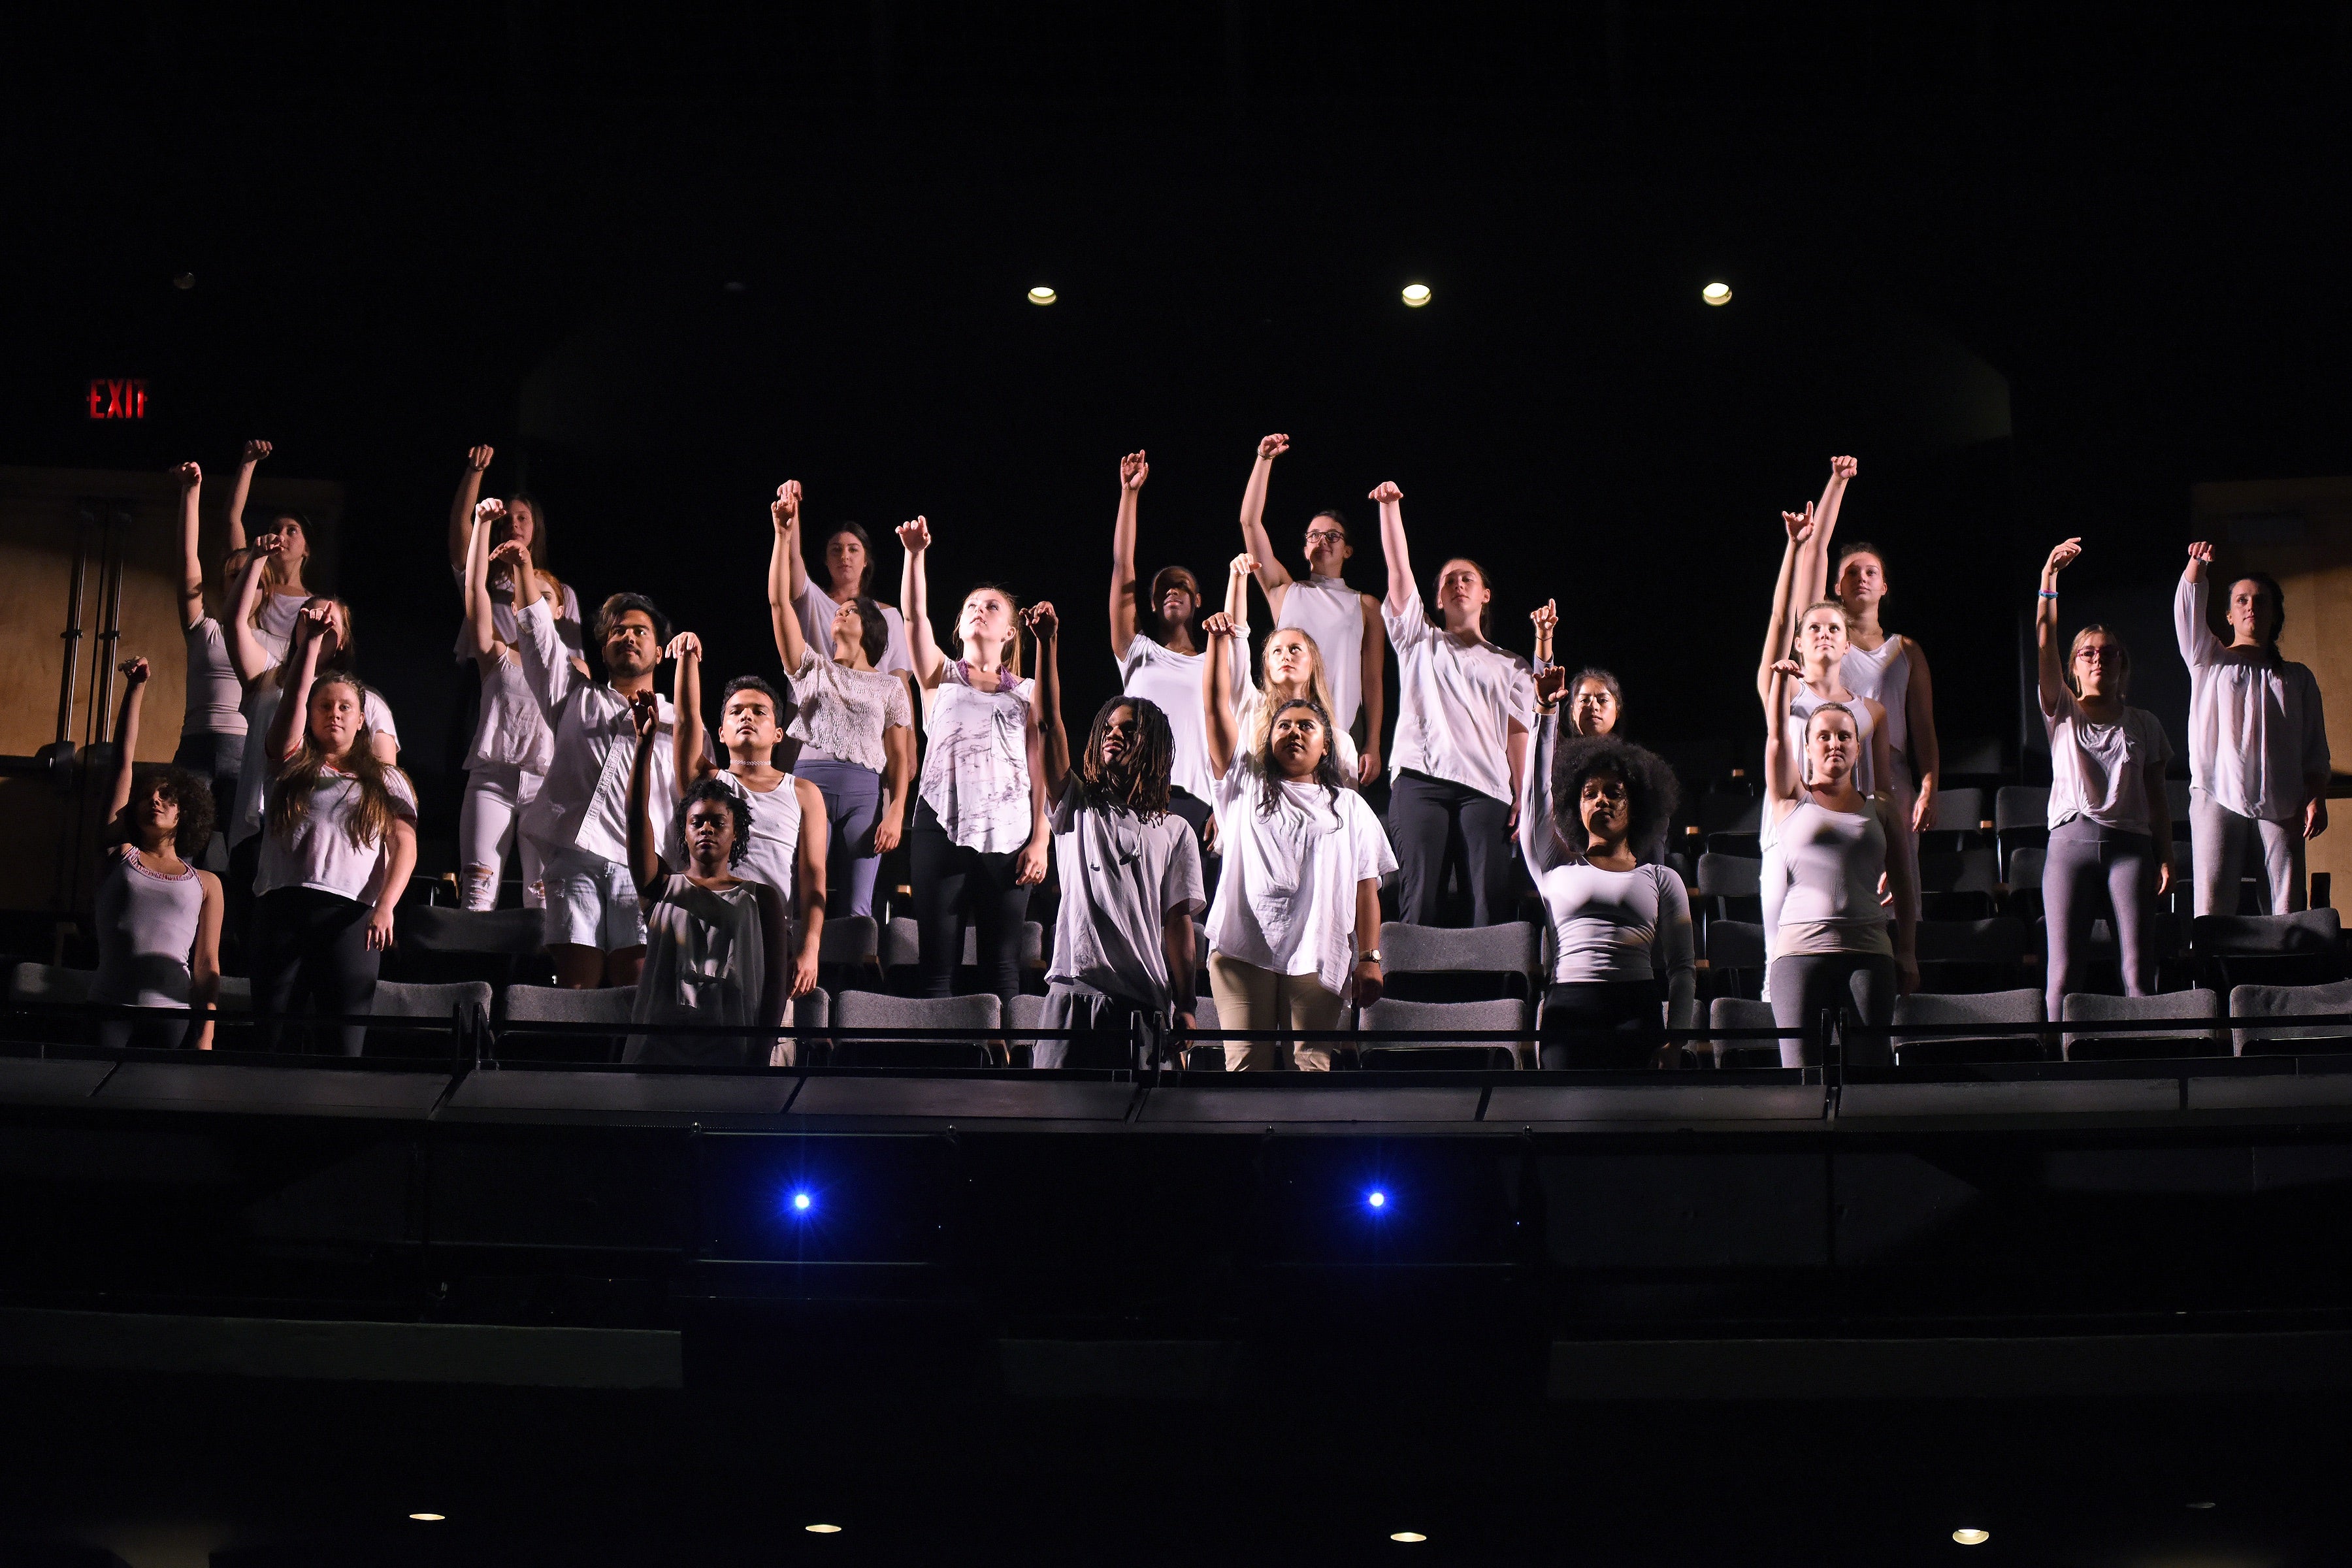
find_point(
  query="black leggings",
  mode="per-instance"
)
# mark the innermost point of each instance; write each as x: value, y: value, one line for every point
x: 1807, y: 985
x: 1428, y: 819
x: 1601, y: 1023
x: 954, y: 884
x: 311, y: 947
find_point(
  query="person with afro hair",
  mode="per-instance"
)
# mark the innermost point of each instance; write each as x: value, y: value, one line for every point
x: 1621, y: 930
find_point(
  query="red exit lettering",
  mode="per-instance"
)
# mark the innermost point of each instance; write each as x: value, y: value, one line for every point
x: 125, y: 399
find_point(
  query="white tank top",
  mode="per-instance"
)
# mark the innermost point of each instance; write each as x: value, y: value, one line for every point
x: 1801, y: 707
x: 1332, y: 613
x: 1884, y: 675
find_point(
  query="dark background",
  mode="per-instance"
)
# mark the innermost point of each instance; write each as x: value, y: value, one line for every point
x: 2040, y: 267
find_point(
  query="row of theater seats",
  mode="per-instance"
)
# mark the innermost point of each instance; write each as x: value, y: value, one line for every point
x: 1439, y: 979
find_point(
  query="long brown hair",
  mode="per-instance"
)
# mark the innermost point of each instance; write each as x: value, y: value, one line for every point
x: 274, y: 571
x: 503, y: 530
x: 291, y: 792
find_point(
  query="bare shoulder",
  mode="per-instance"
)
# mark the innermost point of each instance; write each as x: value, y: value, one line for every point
x: 210, y: 884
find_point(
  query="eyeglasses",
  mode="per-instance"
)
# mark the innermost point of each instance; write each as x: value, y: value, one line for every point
x: 1326, y: 536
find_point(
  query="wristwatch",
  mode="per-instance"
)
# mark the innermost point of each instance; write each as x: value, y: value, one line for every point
x: 1371, y: 957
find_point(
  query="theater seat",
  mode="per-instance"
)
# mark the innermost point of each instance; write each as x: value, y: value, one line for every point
x: 2301, y: 949
x: 1743, y: 1012
x: 2198, y: 1008
x: 872, y: 1010
x: 607, y: 1006
x: 1460, y: 964
x: 2020, y: 1007
x: 2258, y: 1002
x: 1387, y: 1013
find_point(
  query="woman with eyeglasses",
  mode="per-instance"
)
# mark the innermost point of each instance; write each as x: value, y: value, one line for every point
x: 2258, y: 763
x: 2110, y: 826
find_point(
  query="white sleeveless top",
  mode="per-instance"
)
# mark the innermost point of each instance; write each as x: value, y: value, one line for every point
x: 146, y: 932
x: 1332, y: 613
x: 512, y: 731
x: 976, y: 770
x: 1884, y: 675
x: 1801, y: 706
x: 775, y: 833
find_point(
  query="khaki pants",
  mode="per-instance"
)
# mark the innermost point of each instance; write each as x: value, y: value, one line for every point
x: 1249, y: 997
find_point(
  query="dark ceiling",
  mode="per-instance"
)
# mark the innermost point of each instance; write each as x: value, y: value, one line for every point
x: 667, y: 257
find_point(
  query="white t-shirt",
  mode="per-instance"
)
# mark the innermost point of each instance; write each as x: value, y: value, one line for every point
x: 817, y: 609
x: 1287, y: 898
x: 1332, y: 613
x: 841, y: 713
x: 511, y: 731
x: 1122, y: 878
x: 279, y: 614
x: 216, y: 696
x: 261, y: 699
x: 775, y: 833
x: 1172, y: 682
x: 976, y: 773
x: 2101, y: 771
x: 1456, y: 703
x: 321, y: 854
x: 2257, y: 735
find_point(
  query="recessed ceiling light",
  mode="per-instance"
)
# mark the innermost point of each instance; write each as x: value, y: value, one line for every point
x: 1407, y: 1536
x: 429, y: 1517
x: 1416, y: 295
x: 822, y: 1529
x: 1041, y: 295
x: 184, y: 280
x: 2200, y: 1505
x: 1972, y: 1537
x: 1716, y: 293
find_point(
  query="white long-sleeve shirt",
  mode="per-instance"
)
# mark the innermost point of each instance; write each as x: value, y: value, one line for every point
x: 2257, y: 735
x: 1605, y: 925
x: 585, y: 803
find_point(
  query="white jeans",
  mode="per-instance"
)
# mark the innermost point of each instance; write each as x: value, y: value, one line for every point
x: 495, y: 795
x: 2218, y: 842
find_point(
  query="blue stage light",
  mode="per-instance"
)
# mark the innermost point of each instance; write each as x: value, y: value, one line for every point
x: 1376, y: 1199
x: 802, y: 1201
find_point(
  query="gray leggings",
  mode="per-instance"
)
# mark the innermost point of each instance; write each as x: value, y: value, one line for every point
x: 1807, y: 985
x: 2087, y: 862
x: 2219, y: 839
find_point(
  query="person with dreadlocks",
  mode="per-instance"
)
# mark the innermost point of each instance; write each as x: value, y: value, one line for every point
x: 1130, y: 869
x: 2258, y: 763
x: 340, y: 841
x: 158, y: 918
x: 1621, y: 929
x: 718, y: 949
x: 1296, y: 929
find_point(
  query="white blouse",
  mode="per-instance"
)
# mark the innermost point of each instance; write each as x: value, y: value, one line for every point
x: 976, y: 773
x: 841, y: 713
x: 1456, y: 703
x: 2257, y: 736
x: 1287, y: 898
x: 2101, y: 771
x: 511, y: 731
x: 320, y: 853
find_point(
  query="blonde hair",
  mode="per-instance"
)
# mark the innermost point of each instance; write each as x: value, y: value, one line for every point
x: 298, y: 779
x: 1319, y: 685
x: 1012, y: 643
x: 2113, y: 641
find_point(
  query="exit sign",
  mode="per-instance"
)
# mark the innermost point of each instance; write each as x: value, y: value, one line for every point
x: 112, y: 399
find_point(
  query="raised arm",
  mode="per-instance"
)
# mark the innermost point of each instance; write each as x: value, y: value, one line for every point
x: 1401, y: 588
x: 1237, y: 581
x: 192, y: 562
x: 548, y: 667
x: 461, y: 505
x: 795, y: 563
x: 783, y: 556
x: 126, y: 735
x: 808, y: 883
x: 1783, y: 785
x: 1217, y: 692
x: 293, y: 710
x: 915, y: 603
x: 1133, y: 469
x: 255, y: 452
x: 1540, y: 842
x: 644, y: 836
x: 2199, y: 647
x: 1546, y: 617
x: 1813, y: 559
x: 1046, y: 697
x: 1779, y: 631
x: 688, y: 749
x: 481, y: 624
x: 1271, y: 578
x: 2049, y: 665
x: 244, y: 651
